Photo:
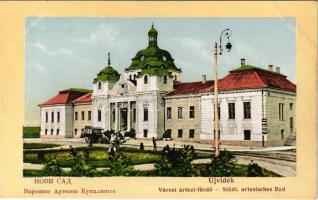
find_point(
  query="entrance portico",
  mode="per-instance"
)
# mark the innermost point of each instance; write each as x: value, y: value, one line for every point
x: 122, y: 115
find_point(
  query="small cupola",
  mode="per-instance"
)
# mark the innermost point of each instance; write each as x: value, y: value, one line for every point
x: 107, y: 74
x: 153, y: 35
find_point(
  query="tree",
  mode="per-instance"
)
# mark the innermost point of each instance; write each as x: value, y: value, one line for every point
x: 222, y: 165
x: 175, y: 162
x: 52, y: 168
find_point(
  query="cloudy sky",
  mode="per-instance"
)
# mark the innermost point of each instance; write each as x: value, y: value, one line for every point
x: 68, y: 52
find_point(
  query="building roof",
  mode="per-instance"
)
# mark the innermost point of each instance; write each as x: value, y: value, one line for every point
x: 86, y: 98
x: 66, y: 96
x: 242, y: 78
x: 107, y: 74
x: 153, y: 57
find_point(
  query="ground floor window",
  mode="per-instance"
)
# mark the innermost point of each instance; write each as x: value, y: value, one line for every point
x: 191, y: 133
x: 51, y: 131
x: 45, y: 131
x: 99, y: 115
x: 247, y: 135
x: 57, y: 131
x: 145, y: 133
x: 75, y: 131
x: 282, y: 133
x: 180, y: 132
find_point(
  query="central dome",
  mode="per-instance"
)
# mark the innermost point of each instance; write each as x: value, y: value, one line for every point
x: 152, y: 57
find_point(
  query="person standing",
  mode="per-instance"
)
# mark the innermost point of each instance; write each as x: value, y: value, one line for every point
x: 154, y: 144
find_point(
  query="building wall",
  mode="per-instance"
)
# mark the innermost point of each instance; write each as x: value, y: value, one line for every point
x: 56, y: 129
x: 274, y: 123
x: 186, y: 123
x: 80, y: 123
x: 233, y: 129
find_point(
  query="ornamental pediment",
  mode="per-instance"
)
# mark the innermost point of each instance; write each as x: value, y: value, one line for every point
x: 123, y: 87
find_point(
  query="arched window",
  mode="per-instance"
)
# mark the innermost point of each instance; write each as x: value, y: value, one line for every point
x: 99, y: 85
x: 164, y: 79
x: 146, y: 79
x: 130, y: 77
x: 175, y: 77
x: 164, y: 58
x: 142, y: 58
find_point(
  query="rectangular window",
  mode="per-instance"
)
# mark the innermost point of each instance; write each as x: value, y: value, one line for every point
x: 281, y: 111
x: 114, y: 115
x: 46, y: 116
x: 75, y: 116
x: 231, y: 110
x: 282, y: 133
x: 180, y: 132
x: 75, y: 131
x: 89, y: 115
x: 45, y: 131
x: 99, y: 115
x: 291, y: 106
x: 134, y: 115
x: 145, y: 114
x: 58, y: 116
x: 247, y: 135
x: 57, y: 131
x: 83, y: 115
x: 191, y: 133
x: 180, y: 112
x: 291, y: 123
x: 168, y: 112
x: 145, y: 133
x: 247, y: 110
x: 51, y: 131
x: 191, y: 112
x: 52, y: 116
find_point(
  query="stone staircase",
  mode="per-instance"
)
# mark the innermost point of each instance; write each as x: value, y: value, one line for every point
x: 290, y: 141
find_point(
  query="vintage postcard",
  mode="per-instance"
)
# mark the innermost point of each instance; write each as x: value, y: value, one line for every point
x: 158, y: 99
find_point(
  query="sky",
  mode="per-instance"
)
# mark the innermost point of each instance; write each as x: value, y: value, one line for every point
x: 61, y: 53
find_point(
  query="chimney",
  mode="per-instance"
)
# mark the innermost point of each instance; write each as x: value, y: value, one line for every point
x: 242, y: 62
x: 203, y: 78
x: 270, y: 67
x: 278, y: 70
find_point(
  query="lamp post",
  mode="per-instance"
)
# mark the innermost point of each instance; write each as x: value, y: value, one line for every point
x: 218, y: 51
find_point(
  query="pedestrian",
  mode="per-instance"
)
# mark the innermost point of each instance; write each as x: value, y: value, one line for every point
x: 73, y: 151
x: 112, y: 151
x: 141, y: 147
x: 154, y: 144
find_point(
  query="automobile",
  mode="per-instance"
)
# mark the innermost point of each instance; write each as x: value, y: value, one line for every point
x: 94, y: 135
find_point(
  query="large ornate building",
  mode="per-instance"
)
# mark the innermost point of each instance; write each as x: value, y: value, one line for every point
x: 256, y: 106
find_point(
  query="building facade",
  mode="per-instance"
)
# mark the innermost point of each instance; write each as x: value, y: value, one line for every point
x: 256, y: 105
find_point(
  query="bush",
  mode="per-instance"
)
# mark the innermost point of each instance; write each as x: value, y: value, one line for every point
x: 131, y: 133
x: 175, y: 162
x: 81, y: 166
x: 31, y: 132
x: 167, y: 134
x: 253, y: 170
x: 222, y: 165
x: 120, y: 165
x: 52, y: 168
x: 39, y: 145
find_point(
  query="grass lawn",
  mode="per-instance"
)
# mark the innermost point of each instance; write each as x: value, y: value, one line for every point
x: 38, y: 145
x: 31, y: 132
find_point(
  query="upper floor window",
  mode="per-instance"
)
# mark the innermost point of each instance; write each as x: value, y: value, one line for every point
x: 291, y: 123
x: 145, y: 114
x: 142, y: 58
x: 247, y: 110
x: 146, y: 79
x: 58, y: 116
x: 180, y: 112
x: 99, y: 115
x: 99, y: 85
x: 168, y: 112
x: 76, y: 116
x: 175, y: 77
x: 83, y: 115
x: 191, y: 112
x: 130, y: 77
x: 165, y: 79
x: 164, y: 58
x: 231, y: 110
x: 46, y: 116
x: 89, y: 115
x: 52, y: 116
x: 281, y: 111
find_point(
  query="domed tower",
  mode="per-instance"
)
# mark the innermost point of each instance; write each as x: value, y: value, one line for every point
x: 153, y: 68
x: 105, y: 79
